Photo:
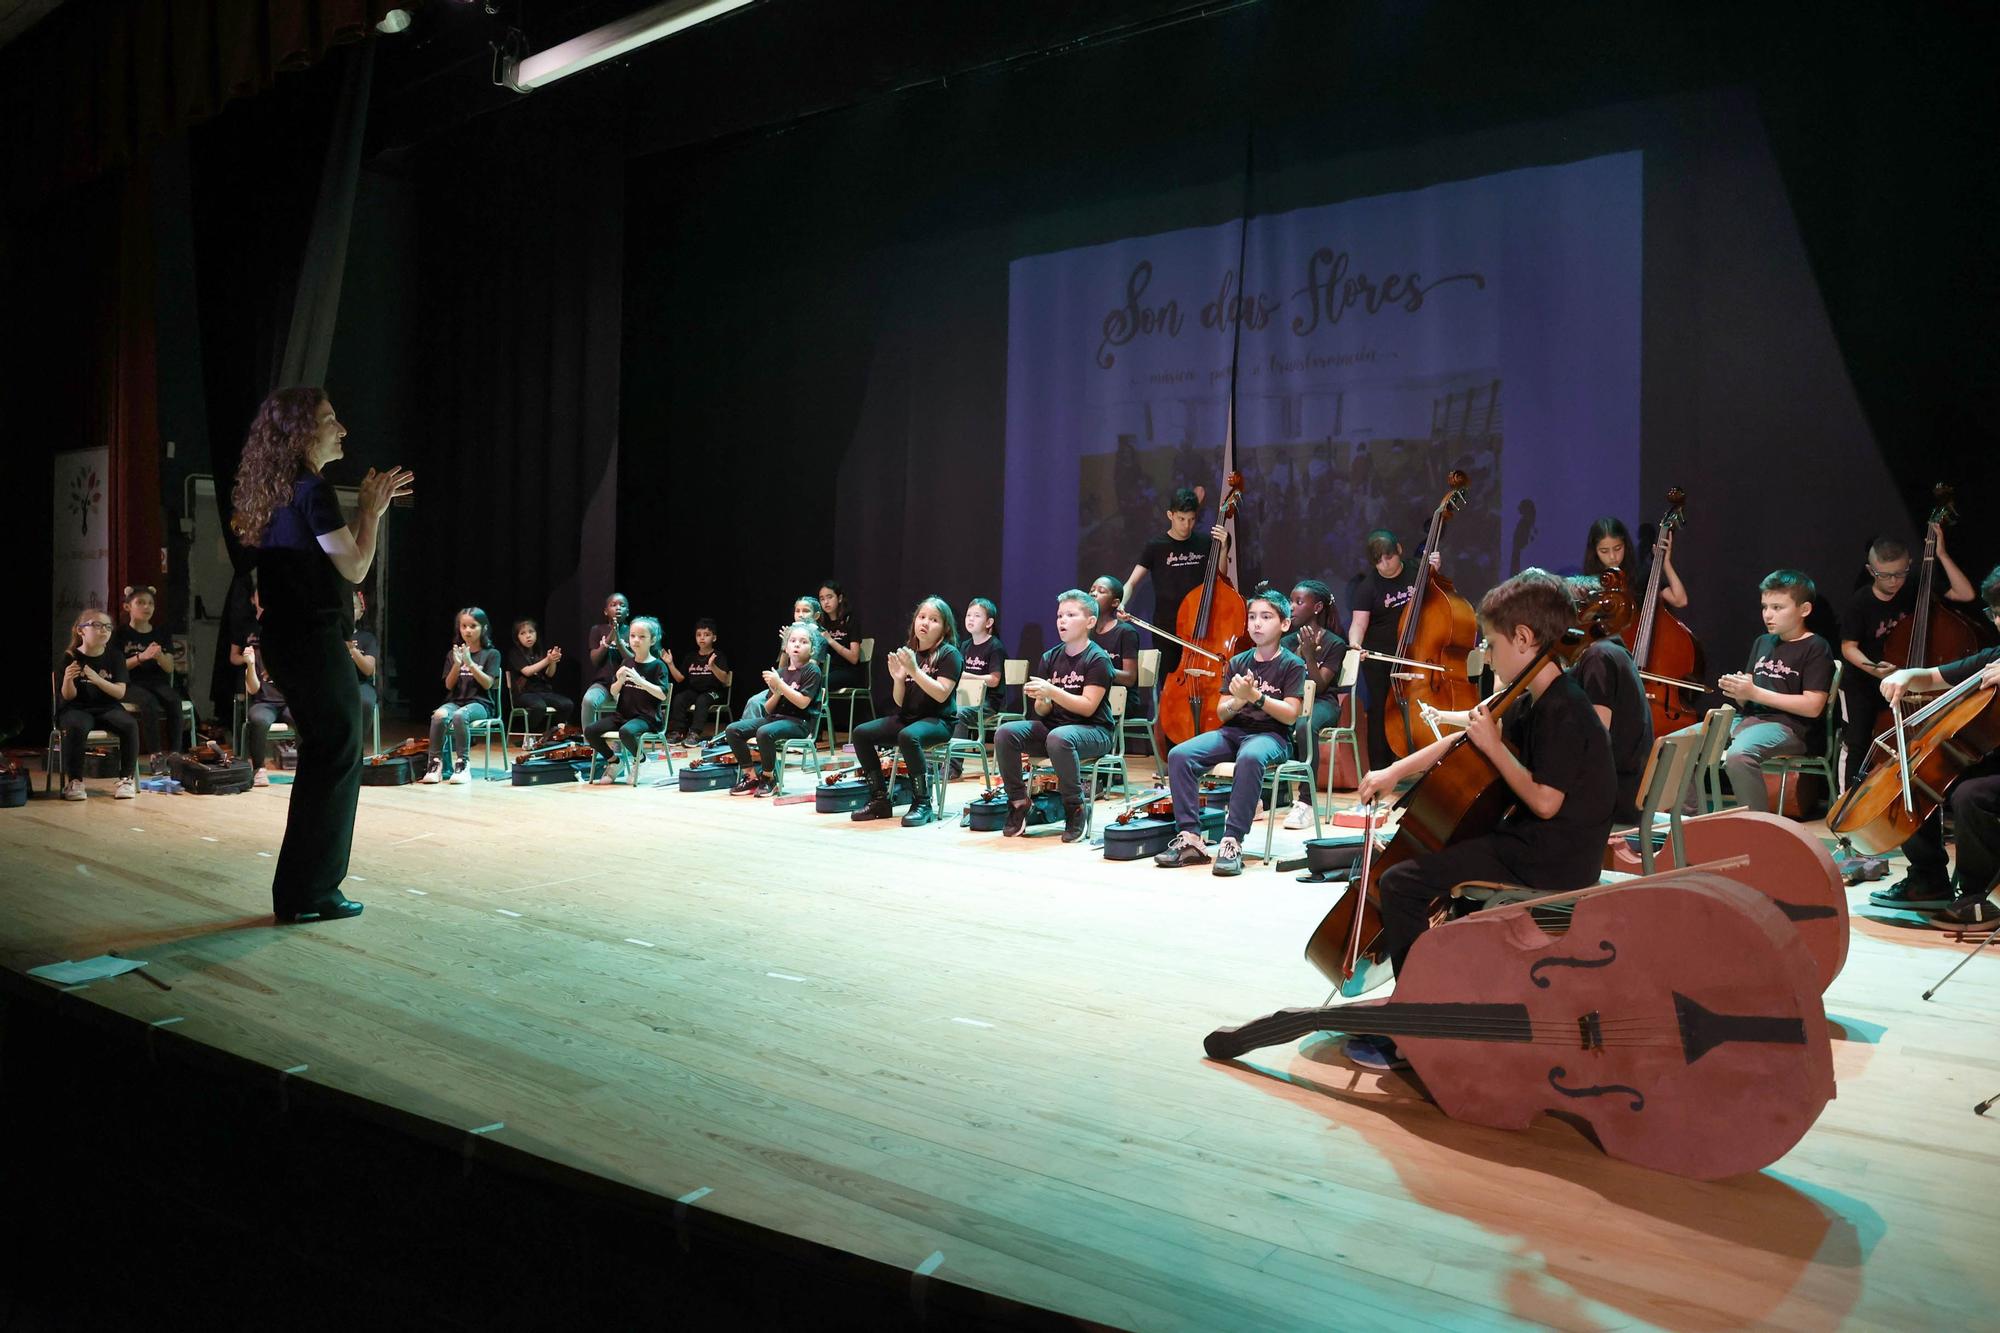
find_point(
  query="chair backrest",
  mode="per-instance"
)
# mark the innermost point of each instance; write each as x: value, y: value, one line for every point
x: 1014, y: 671
x: 1149, y: 668
x: 1833, y: 708
x: 971, y: 692
x: 1119, y: 696
x: 1715, y: 728
x: 1669, y: 769
x: 1350, y: 668
x: 867, y: 651
x: 1311, y: 756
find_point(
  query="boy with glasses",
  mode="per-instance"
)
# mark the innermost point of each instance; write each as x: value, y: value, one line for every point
x: 1866, y: 622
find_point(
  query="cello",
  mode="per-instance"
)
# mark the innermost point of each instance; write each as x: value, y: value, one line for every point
x: 1462, y: 796
x: 1935, y: 631
x: 1661, y: 645
x: 1210, y: 624
x: 1438, y: 627
x: 1912, y: 766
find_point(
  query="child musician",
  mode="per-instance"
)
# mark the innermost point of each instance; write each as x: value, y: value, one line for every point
x: 983, y: 656
x: 1318, y: 644
x: 531, y: 674
x: 92, y: 690
x: 1610, y: 679
x: 1070, y: 716
x: 606, y: 651
x: 148, y: 653
x: 1176, y: 561
x: 1266, y: 695
x: 792, y: 695
x: 638, y: 689
x: 698, y: 687
x: 1375, y: 602
x: 1553, y: 755
x: 1609, y: 546
x: 365, y: 650
x: 265, y: 703
x: 1866, y: 622
x: 806, y: 610
x: 471, y: 677
x: 1782, y: 696
x: 1959, y: 900
x: 923, y: 676
x: 843, y: 647
x: 1113, y: 635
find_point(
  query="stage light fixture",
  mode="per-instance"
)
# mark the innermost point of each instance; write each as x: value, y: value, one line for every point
x: 611, y: 41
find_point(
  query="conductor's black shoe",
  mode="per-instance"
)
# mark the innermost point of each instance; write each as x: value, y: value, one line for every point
x: 333, y: 910
x: 1074, y: 822
x: 878, y: 807
x: 919, y: 815
x: 1017, y: 819
x: 1914, y: 893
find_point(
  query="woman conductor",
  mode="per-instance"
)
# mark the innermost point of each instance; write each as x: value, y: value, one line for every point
x: 307, y: 558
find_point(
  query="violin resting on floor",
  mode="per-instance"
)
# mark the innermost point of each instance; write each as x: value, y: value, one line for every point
x: 415, y: 747
x: 1679, y: 1019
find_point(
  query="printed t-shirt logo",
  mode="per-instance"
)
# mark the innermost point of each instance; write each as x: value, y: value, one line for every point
x: 1775, y: 669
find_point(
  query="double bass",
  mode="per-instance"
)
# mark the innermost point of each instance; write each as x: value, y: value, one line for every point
x: 1462, y: 796
x: 1210, y: 624
x: 1935, y: 631
x: 1661, y: 645
x: 1438, y: 628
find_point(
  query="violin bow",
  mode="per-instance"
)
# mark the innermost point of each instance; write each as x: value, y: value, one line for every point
x: 1903, y: 757
x: 1360, y: 884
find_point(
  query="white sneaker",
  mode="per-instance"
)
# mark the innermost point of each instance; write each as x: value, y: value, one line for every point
x: 461, y: 773
x: 435, y: 773
x: 73, y: 790
x: 125, y: 790
x: 1300, y: 815
x: 260, y: 779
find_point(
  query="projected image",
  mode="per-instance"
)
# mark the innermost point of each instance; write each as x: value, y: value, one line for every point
x: 1374, y: 345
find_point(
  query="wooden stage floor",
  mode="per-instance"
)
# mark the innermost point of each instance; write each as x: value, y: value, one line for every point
x: 981, y: 1059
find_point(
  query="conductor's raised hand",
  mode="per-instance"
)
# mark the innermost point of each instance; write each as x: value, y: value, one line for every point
x: 380, y: 489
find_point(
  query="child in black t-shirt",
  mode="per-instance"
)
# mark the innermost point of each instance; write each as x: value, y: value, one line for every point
x: 1070, y: 716
x: 792, y: 703
x: 148, y: 653
x: 1781, y: 695
x: 698, y: 687
x: 1609, y: 546
x: 1266, y: 692
x: 805, y: 611
x: 1870, y: 616
x: 843, y: 647
x: 264, y: 702
x: 1375, y: 602
x: 1113, y: 635
x: 471, y: 680
x: 531, y: 674
x: 985, y: 657
x: 1316, y: 643
x: 1555, y: 759
x: 923, y: 677
x: 638, y: 689
x: 91, y: 686
x: 1610, y: 680
x: 1176, y: 561
x: 605, y: 648
x: 365, y: 651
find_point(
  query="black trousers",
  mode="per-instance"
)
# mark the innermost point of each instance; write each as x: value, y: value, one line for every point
x: 159, y: 705
x: 769, y: 733
x: 1375, y: 703
x: 545, y: 703
x: 911, y: 738
x: 324, y: 697
x: 689, y: 708
x: 1857, y: 728
x: 629, y: 731
x: 1974, y: 801
x: 76, y: 723
x: 1408, y: 888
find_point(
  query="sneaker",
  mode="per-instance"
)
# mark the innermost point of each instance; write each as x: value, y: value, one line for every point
x: 1228, y: 858
x: 461, y: 773
x: 878, y: 807
x: 919, y: 815
x: 1915, y: 893
x: 433, y: 774
x: 262, y: 779
x: 1967, y: 913
x: 1377, y: 1053
x: 674, y: 738
x: 606, y: 777
x: 1017, y: 816
x: 1185, y: 850
x: 1075, y: 820
x: 126, y: 789
x: 954, y: 770
x: 764, y: 787
x: 73, y: 790
x: 744, y: 785
x: 1300, y: 815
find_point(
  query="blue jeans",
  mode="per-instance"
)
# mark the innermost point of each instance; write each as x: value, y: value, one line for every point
x: 1066, y: 747
x: 457, y: 719
x: 1253, y: 751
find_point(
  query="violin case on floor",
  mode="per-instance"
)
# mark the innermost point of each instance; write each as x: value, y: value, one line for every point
x: 397, y: 772
x: 850, y: 794
x: 14, y: 788
x: 709, y: 777
x: 1149, y: 837
x: 541, y: 772
x: 988, y: 814
x: 221, y: 779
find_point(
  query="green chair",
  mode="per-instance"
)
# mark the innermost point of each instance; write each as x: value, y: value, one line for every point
x: 938, y: 758
x: 1111, y: 764
x: 1821, y: 762
x: 486, y: 728
x: 52, y: 760
x: 1142, y: 727
x: 806, y: 746
x: 855, y: 695
x: 1712, y: 788
x: 1335, y: 737
x: 1013, y: 675
x: 1293, y: 770
x: 1664, y: 788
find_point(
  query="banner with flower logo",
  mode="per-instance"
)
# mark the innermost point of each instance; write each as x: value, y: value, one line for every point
x: 82, y: 537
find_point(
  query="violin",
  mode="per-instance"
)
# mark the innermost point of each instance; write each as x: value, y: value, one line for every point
x: 1936, y: 631
x: 1662, y: 647
x: 1911, y: 767
x: 1605, y: 608
x: 213, y: 752
x: 565, y: 744
x: 409, y: 749
x: 1210, y: 624
x: 1679, y: 1020
x: 1438, y: 629
x: 1462, y: 796
x: 1149, y: 807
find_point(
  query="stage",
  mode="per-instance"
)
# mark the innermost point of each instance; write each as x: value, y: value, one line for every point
x: 974, y: 1064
